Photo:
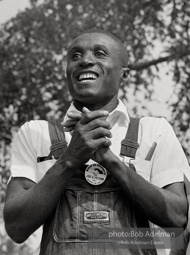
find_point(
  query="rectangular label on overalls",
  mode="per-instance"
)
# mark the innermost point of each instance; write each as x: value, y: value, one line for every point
x: 97, y: 217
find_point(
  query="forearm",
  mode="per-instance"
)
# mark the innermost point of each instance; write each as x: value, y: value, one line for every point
x: 28, y: 209
x: 162, y: 207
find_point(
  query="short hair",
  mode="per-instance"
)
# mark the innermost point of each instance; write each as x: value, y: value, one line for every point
x: 124, y: 54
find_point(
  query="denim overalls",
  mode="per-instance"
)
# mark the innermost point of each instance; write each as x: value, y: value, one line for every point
x: 83, y: 215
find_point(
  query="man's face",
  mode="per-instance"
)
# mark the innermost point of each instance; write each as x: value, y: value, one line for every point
x: 94, y: 69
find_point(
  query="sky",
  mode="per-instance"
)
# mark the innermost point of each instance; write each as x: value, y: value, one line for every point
x: 10, y: 8
x: 163, y: 88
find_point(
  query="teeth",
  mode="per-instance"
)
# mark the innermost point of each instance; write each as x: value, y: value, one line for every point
x: 87, y: 76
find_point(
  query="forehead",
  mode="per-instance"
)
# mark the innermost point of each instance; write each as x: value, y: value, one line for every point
x: 90, y: 40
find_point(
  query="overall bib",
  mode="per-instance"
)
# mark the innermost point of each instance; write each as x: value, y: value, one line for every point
x: 86, y: 214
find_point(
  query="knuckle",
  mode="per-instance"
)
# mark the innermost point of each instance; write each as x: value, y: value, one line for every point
x: 106, y: 133
x: 80, y: 132
x: 84, y: 137
x: 107, y: 141
x: 87, y: 115
x: 96, y: 122
x: 104, y: 142
x: 87, y: 142
x: 108, y: 124
x: 102, y: 130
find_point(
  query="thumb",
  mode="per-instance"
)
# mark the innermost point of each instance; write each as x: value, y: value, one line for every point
x: 85, y: 110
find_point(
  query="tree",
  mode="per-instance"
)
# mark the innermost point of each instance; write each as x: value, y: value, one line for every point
x: 33, y: 49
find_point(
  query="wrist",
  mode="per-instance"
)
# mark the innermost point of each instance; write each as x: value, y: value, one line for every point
x: 109, y: 160
x: 67, y: 162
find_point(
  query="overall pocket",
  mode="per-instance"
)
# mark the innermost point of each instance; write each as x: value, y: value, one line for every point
x: 67, y: 217
x: 78, y: 213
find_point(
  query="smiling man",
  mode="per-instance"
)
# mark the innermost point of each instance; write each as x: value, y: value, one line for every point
x: 99, y: 74
x: 93, y: 189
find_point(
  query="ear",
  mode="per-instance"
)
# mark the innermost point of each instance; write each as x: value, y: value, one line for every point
x: 125, y: 73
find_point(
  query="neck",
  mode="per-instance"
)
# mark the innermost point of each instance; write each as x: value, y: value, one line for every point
x: 108, y: 106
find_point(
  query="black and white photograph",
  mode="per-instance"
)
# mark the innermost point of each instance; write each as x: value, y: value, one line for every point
x: 95, y: 127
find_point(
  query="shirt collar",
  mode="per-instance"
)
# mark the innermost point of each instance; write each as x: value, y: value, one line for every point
x: 119, y: 112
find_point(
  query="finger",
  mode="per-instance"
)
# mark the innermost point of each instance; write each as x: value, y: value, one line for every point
x: 101, y: 132
x: 102, y: 142
x: 85, y: 110
x: 74, y: 115
x: 89, y: 116
x: 99, y: 123
x: 69, y: 123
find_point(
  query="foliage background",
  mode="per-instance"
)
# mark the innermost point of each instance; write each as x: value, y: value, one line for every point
x: 33, y: 48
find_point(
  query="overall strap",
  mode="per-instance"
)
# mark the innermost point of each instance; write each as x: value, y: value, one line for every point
x: 129, y: 145
x: 57, y: 136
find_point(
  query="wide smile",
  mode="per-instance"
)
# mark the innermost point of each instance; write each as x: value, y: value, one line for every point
x: 84, y: 77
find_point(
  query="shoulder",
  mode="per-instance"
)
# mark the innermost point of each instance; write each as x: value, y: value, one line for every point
x: 154, y: 121
x: 34, y: 127
x: 33, y: 132
x: 155, y: 127
x: 33, y: 136
x: 157, y: 123
x: 34, y: 124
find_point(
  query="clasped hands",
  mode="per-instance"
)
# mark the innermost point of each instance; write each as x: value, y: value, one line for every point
x: 90, y: 136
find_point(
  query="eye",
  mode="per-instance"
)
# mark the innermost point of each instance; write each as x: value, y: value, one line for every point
x: 100, y: 53
x: 76, y: 55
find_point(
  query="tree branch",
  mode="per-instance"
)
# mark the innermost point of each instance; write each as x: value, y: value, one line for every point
x: 144, y: 65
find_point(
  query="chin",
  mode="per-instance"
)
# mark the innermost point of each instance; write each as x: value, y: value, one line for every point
x: 84, y: 94
x: 88, y: 99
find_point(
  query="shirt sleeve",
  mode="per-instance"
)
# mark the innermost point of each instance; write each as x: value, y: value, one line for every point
x: 23, y: 160
x: 169, y: 161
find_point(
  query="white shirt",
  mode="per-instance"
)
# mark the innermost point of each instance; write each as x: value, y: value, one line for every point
x: 166, y: 166
x: 168, y: 163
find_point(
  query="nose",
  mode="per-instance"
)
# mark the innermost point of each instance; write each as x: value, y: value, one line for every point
x: 87, y: 60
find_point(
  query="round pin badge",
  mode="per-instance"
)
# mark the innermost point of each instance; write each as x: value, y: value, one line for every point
x: 95, y: 174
